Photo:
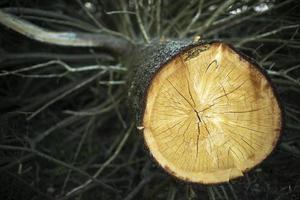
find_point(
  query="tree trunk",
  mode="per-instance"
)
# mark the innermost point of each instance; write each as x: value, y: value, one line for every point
x: 207, y: 113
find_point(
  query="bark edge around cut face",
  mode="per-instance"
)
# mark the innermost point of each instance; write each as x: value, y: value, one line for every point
x: 202, y: 159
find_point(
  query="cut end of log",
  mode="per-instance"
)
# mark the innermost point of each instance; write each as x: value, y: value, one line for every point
x: 210, y: 115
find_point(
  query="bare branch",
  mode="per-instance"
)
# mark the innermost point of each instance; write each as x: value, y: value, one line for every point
x: 54, y: 160
x: 106, y: 163
x: 145, y: 35
x: 113, y: 43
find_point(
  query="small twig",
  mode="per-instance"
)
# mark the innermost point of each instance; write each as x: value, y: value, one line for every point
x: 28, y: 184
x: 232, y: 16
x: 278, y: 48
x: 211, y: 193
x: 255, y: 37
x: 87, y: 12
x: 135, y: 191
x: 78, y: 149
x: 271, y: 53
x: 67, y: 67
x: 175, y: 20
x: 127, y: 20
x: 140, y: 22
x: 38, y: 66
x: 158, y: 18
x: 54, y: 160
x: 63, y: 123
x: 58, y: 75
x: 99, y: 109
x: 284, y: 74
x: 194, y: 19
x: 59, y: 97
x: 106, y: 163
x: 119, y: 12
x: 93, y: 112
x: 115, y: 103
x: 239, y: 19
x: 112, y: 82
x: 216, y: 14
x: 287, y: 147
x: 17, y: 161
x: 218, y: 194
x: 224, y: 192
x: 232, y: 191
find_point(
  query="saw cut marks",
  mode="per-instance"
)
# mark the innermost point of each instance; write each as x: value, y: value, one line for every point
x: 211, y: 116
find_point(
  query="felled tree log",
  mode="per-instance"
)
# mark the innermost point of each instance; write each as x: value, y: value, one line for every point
x: 207, y: 113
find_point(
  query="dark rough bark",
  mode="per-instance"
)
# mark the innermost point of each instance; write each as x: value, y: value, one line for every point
x: 145, y: 62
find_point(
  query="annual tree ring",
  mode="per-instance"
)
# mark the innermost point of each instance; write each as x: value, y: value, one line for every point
x: 210, y: 115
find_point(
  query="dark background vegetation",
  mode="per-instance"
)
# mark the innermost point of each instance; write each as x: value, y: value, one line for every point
x: 60, y: 128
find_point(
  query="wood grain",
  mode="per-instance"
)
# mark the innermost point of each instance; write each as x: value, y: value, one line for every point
x: 210, y: 115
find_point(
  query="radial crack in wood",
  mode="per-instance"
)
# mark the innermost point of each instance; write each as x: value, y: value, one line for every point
x: 210, y: 115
